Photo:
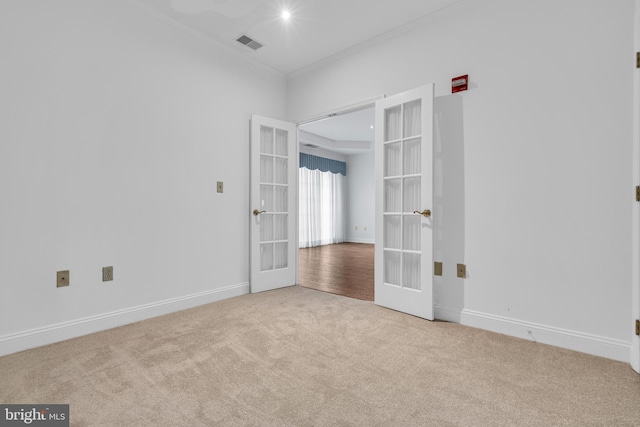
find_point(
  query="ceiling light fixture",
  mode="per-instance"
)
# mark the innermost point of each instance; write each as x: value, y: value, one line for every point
x: 286, y: 15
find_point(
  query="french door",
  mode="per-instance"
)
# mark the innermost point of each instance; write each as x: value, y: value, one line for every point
x: 272, y: 210
x: 404, y: 181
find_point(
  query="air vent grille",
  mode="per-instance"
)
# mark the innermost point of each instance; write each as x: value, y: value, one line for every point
x: 248, y: 41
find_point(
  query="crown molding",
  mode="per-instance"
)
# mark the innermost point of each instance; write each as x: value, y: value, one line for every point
x: 388, y: 35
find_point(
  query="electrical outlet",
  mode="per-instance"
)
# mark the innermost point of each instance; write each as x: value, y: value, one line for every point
x: 437, y: 268
x: 356, y: 228
x: 62, y: 278
x: 365, y: 228
x: 462, y: 271
x: 107, y: 274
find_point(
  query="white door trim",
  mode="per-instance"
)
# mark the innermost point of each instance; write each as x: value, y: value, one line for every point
x: 315, y: 117
x: 340, y: 110
x: 635, y: 210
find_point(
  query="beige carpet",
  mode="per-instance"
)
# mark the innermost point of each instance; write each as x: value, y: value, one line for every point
x: 299, y: 357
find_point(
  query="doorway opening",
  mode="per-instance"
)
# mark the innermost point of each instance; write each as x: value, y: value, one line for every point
x: 337, y: 231
x: 343, y: 268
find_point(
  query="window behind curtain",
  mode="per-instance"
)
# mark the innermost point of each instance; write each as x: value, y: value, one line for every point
x: 322, y: 190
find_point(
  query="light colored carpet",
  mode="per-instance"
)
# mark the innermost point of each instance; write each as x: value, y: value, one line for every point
x: 299, y: 357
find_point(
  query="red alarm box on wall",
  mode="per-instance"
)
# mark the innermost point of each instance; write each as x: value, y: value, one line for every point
x: 460, y: 83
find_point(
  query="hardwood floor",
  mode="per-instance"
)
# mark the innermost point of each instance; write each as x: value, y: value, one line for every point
x: 343, y: 269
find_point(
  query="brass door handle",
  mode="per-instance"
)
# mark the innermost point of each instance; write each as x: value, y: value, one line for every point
x: 425, y: 213
x: 256, y: 212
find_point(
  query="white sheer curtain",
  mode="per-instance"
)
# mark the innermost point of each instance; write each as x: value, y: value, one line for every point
x: 322, y: 204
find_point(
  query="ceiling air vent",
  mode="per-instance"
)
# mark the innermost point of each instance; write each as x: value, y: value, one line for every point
x: 248, y: 41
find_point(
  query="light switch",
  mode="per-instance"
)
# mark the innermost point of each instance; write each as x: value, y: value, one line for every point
x: 220, y: 188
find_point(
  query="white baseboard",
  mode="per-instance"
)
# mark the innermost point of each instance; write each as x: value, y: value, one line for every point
x: 564, y: 338
x: 367, y: 241
x: 447, y: 314
x: 63, y: 331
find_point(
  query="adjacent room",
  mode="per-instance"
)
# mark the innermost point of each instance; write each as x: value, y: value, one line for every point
x: 336, y: 203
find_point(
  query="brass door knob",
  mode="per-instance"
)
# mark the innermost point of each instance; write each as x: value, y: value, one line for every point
x: 256, y: 212
x: 425, y: 213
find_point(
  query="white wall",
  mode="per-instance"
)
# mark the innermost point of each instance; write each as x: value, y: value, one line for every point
x: 322, y: 153
x: 361, y: 198
x: 115, y: 129
x: 547, y: 148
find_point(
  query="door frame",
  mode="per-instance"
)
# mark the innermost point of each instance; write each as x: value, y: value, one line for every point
x: 634, y: 356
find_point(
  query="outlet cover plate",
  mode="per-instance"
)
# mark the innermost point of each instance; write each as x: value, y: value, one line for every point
x: 462, y: 271
x: 437, y: 268
x: 62, y: 278
x: 107, y: 274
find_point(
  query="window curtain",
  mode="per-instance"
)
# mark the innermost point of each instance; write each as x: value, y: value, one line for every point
x: 322, y: 206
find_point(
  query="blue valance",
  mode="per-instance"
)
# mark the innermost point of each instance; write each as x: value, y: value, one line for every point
x: 325, y: 165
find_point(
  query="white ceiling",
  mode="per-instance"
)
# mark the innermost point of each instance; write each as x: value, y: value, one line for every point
x: 347, y: 134
x: 317, y: 29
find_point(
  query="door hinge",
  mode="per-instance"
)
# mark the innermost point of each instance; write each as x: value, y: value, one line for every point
x: 637, y: 193
x: 637, y: 327
x: 637, y: 59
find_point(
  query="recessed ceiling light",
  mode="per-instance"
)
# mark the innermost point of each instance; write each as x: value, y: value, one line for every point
x: 286, y: 15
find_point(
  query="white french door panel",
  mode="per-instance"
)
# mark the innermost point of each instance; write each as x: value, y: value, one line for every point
x: 404, y: 194
x: 273, y: 212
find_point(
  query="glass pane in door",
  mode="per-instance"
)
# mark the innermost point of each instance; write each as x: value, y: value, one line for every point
x: 392, y: 228
x: 266, y: 197
x: 411, y: 232
x: 392, y: 195
x: 412, y: 156
x: 411, y: 194
x: 266, y: 256
x: 412, y: 122
x: 281, y: 142
x: 392, y: 165
x: 280, y: 170
x: 266, y: 227
x: 281, y: 227
x: 393, y: 120
x: 392, y: 273
x: 280, y: 199
x: 266, y: 169
x: 266, y: 140
x: 281, y: 258
x: 411, y: 271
